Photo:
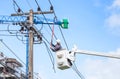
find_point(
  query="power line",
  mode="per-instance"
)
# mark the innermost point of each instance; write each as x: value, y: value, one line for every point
x: 41, y: 21
x: 49, y: 25
x: 14, y: 7
x: 8, y: 35
x: 12, y: 51
x: 52, y: 8
x: 46, y: 40
x: 37, y: 3
x: 50, y: 55
x: 8, y: 29
x: 74, y: 67
x: 45, y: 17
x: 37, y: 76
x: 59, y: 27
x: 19, y: 9
x: 50, y: 2
x: 28, y: 3
x: 42, y: 26
x: 63, y: 38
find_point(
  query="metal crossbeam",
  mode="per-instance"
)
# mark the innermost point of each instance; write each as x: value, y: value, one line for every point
x: 20, y: 19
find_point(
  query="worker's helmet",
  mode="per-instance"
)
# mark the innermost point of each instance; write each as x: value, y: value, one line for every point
x: 58, y: 41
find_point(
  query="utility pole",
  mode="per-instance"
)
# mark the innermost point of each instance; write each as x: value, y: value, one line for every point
x: 30, y: 66
x: 31, y: 31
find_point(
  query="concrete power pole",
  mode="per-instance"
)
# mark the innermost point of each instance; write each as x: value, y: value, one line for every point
x: 30, y: 65
x: 31, y: 30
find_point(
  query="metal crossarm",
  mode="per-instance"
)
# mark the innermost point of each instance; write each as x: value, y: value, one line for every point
x: 6, y: 19
x: 20, y: 19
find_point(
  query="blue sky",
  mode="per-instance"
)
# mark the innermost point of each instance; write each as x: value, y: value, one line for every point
x: 93, y: 25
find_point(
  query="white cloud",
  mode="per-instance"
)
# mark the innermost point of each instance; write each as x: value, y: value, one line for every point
x: 102, y: 68
x: 117, y: 52
x: 113, y: 24
x: 113, y: 20
x: 116, y: 4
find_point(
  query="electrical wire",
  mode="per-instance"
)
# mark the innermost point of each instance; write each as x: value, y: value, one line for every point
x: 11, y: 51
x: 53, y: 9
x: 41, y: 27
x: 46, y: 40
x: 8, y: 29
x: 41, y: 21
x: 59, y: 27
x: 28, y: 4
x: 45, y: 18
x: 50, y: 55
x: 13, y: 54
x: 63, y: 38
x: 19, y: 38
x: 17, y: 6
x: 12, y: 63
x: 49, y: 26
x: 14, y: 7
x: 74, y: 67
x: 21, y: 71
x: 8, y: 35
x: 36, y: 74
x: 37, y: 4
x: 50, y: 2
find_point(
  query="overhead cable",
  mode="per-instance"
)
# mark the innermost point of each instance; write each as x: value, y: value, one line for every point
x: 8, y: 35
x: 46, y: 40
x: 19, y: 9
x: 53, y: 9
x: 50, y: 55
x: 63, y: 38
x: 74, y: 67
x: 37, y: 3
x: 49, y: 25
x: 45, y: 18
x: 7, y: 30
x: 10, y: 31
x: 59, y: 27
x: 28, y: 3
x: 23, y: 41
x: 41, y: 21
x: 12, y: 51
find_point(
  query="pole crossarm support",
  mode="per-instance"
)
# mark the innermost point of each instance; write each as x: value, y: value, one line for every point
x: 23, y: 19
x: 35, y: 13
x: 4, y: 18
